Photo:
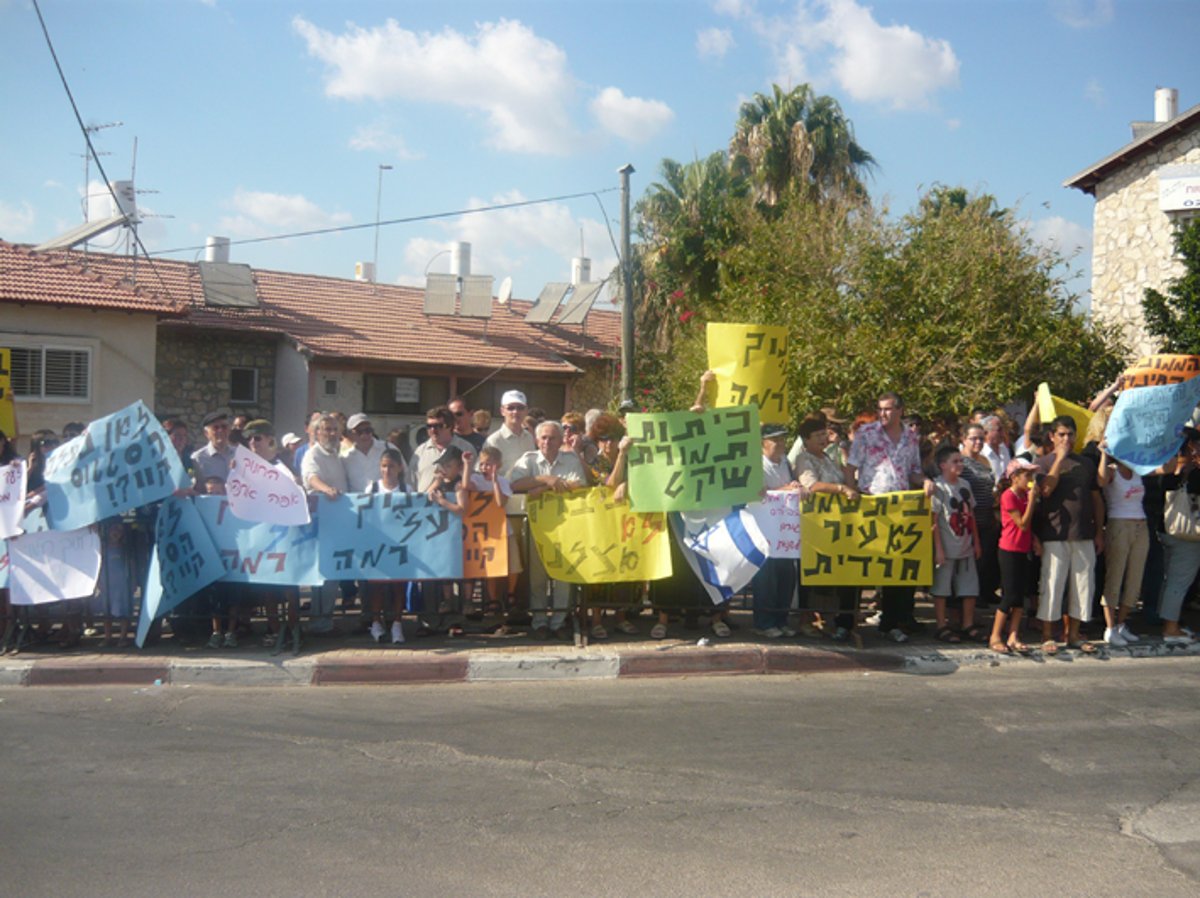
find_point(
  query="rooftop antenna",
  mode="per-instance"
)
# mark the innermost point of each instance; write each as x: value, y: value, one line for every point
x: 505, y: 292
x: 87, y: 165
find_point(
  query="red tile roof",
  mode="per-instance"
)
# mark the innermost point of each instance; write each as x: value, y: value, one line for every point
x: 72, y: 280
x: 334, y: 318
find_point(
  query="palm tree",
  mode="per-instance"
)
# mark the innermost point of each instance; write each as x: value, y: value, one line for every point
x: 798, y: 139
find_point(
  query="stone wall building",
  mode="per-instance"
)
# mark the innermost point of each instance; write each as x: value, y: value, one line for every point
x: 1143, y: 191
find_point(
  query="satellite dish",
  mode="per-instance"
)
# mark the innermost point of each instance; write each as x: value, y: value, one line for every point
x: 505, y: 293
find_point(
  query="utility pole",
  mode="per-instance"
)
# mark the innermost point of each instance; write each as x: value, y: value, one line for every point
x: 378, y: 200
x: 627, y: 403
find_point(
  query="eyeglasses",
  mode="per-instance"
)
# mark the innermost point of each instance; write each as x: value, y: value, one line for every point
x: 976, y: 438
x: 515, y: 408
x: 434, y: 425
x: 568, y: 428
x: 258, y: 436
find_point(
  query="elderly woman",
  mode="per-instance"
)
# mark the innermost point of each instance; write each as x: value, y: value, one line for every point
x: 607, y: 468
x: 816, y: 472
x: 977, y: 471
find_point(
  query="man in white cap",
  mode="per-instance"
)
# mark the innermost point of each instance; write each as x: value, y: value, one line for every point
x: 512, y: 439
x: 362, y: 458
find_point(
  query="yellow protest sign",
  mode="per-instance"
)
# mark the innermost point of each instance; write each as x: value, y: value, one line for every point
x: 586, y: 536
x: 1160, y: 370
x: 8, y: 411
x: 884, y: 540
x: 750, y: 362
x: 1050, y: 407
x: 485, y: 538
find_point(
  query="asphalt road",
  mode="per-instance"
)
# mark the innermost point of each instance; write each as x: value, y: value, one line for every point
x: 1056, y: 779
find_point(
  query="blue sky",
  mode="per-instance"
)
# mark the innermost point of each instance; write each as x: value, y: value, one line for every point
x: 264, y: 117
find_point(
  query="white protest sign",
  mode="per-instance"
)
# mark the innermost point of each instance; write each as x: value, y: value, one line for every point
x: 12, y: 498
x: 264, y: 492
x: 778, y: 517
x: 53, y: 565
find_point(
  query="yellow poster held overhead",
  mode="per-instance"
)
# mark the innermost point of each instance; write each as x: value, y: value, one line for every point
x: 1050, y: 407
x: 8, y: 411
x: 884, y: 540
x: 586, y: 536
x: 750, y: 361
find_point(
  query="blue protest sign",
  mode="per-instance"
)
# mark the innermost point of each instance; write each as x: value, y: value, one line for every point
x: 1146, y: 425
x: 274, y: 554
x: 389, y: 536
x: 184, y: 561
x: 119, y: 462
x: 4, y: 565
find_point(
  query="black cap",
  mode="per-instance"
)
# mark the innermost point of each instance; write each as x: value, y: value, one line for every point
x: 213, y: 417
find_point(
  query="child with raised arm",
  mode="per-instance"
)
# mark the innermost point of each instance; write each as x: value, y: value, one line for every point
x: 956, y: 546
x: 487, y: 479
x: 1016, y: 567
x: 451, y: 479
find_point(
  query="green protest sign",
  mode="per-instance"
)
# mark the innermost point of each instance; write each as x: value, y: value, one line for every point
x: 683, y: 461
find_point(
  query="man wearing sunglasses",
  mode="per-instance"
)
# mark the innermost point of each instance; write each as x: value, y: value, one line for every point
x: 512, y: 439
x: 439, y: 425
x: 463, y: 427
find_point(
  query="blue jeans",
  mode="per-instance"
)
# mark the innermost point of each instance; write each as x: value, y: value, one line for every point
x: 772, y: 589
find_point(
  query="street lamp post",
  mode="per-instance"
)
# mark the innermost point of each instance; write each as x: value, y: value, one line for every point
x: 378, y: 200
x: 627, y: 403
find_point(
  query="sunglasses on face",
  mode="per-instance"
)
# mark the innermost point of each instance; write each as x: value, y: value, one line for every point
x: 434, y: 425
x: 515, y: 408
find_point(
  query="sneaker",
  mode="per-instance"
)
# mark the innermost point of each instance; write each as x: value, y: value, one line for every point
x: 598, y: 632
x: 1113, y: 637
x: 214, y: 641
x: 1181, y: 639
x: 231, y: 640
x: 658, y: 631
x: 769, y: 633
x: 874, y: 619
x: 1127, y: 634
x: 397, y: 633
x: 720, y: 628
x: 1188, y: 632
x: 377, y: 631
x: 897, y: 635
x: 627, y: 628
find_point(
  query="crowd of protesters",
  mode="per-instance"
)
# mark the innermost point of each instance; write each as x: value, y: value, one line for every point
x: 1050, y: 537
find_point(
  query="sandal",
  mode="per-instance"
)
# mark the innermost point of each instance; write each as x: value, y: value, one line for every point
x: 973, y: 633
x: 658, y: 631
x: 945, y: 634
x: 1050, y: 647
x: 1019, y: 647
x: 1000, y: 648
x: 1087, y: 648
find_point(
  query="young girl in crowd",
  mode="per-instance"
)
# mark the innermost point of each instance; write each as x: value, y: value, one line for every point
x: 1126, y: 545
x: 391, y: 469
x: 1016, y: 569
x: 488, y: 479
x: 452, y: 470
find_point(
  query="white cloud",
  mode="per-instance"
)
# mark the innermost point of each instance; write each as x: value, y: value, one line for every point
x: 713, y: 43
x: 257, y: 213
x: 519, y: 81
x: 1084, y: 13
x: 514, y: 243
x: 892, y: 63
x: 1094, y: 93
x: 631, y: 118
x: 378, y: 138
x: 737, y: 9
x: 840, y: 41
x: 1059, y: 234
x: 953, y: 124
x: 15, y: 220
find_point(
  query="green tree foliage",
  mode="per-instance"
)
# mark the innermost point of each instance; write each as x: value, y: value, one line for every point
x: 1174, y: 317
x: 953, y: 306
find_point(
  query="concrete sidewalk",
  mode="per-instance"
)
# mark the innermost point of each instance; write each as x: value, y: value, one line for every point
x: 352, y: 659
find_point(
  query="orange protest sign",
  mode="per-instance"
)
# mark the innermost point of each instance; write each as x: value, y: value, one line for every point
x: 1158, y: 370
x: 485, y: 538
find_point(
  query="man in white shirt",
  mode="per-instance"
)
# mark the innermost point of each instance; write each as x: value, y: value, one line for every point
x: 362, y: 458
x: 512, y: 439
x: 547, y: 468
x: 995, y: 449
x: 323, y: 472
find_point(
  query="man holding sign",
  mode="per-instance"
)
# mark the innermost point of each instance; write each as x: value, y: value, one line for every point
x: 548, y: 468
x: 885, y: 457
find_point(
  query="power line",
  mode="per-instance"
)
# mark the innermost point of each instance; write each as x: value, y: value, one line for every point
x: 496, y: 207
x: 88, y: 139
